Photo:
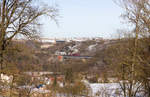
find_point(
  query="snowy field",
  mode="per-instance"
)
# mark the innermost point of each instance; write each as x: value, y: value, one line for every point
x: 105, y: 90
x: 108, y: 90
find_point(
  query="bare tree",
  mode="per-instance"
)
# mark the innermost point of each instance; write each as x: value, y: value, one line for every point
x: 137, y: 13
x: 20, y: 17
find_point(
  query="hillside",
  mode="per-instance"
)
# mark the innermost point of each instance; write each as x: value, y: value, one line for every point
x: 44, y: 56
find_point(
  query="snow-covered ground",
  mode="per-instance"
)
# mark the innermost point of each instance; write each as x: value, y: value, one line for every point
x: 105, y: 89
x: 91, y: 47
x: 110, y: 90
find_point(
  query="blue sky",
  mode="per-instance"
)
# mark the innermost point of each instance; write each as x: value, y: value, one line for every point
x: 84, y: 18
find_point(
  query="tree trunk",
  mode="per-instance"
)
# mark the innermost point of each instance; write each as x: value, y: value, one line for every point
x: 2, y: 48
x: 1, y: 60
x: 130, y: 89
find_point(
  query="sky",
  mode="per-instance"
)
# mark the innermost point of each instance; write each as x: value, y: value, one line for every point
x: 83, y: 18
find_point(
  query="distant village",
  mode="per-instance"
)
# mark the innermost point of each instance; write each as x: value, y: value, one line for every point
x: 68, y: 52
